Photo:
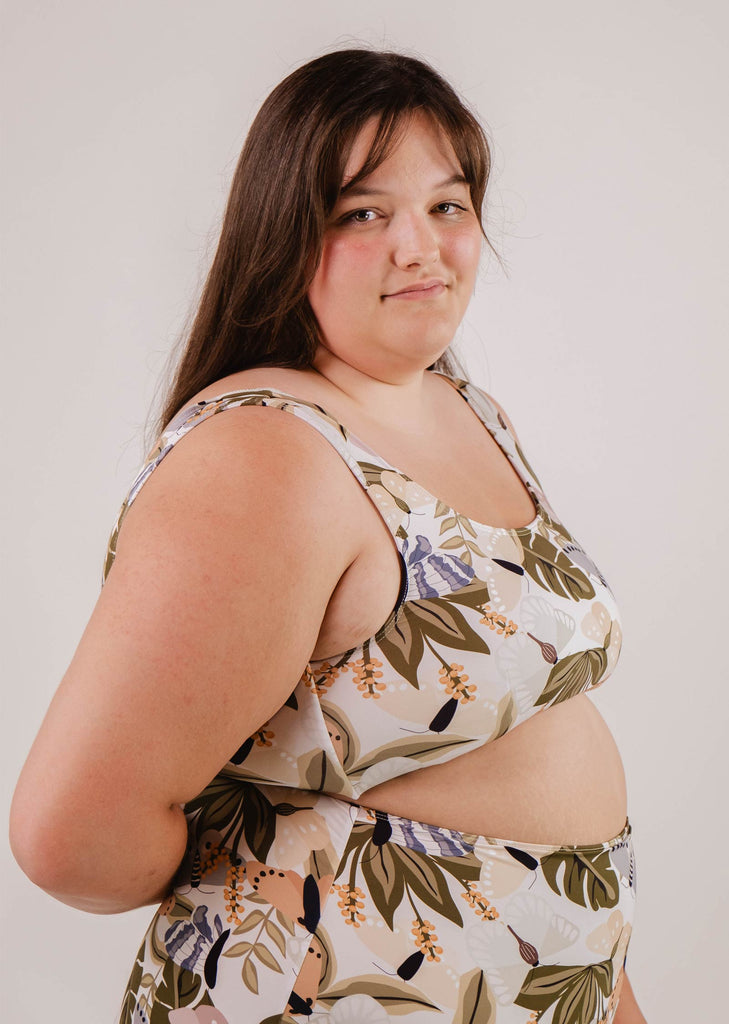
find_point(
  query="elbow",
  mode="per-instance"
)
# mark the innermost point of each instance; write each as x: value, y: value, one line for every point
x: 35, y: 845
x: 86, y: 863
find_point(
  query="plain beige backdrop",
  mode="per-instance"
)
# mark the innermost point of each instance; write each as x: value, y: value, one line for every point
x: 606, y: 341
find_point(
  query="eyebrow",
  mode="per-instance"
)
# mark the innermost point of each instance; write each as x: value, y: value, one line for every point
x: 363, y: 190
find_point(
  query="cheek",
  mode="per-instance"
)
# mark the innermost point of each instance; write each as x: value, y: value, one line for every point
x: 345, y: 269
x: 465, y: 250
x: 345, y: 258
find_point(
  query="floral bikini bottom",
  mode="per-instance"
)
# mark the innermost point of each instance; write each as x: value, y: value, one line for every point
x: 446, y: 926
x: 416, y: 923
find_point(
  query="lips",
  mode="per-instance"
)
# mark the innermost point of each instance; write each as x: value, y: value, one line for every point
x: 423, y: 289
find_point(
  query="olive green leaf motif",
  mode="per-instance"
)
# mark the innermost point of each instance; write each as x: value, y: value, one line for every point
x: 586, y: 878
x: 573, y: 674
x: 476, y: 1003
x: 394, y: 873
x: 394, y: 995
x: 421, y: 748
x: 436, y: 618
x: 171, y: 988
x: 580, y: 993
x: 235, y: 808
x: 553, y: 570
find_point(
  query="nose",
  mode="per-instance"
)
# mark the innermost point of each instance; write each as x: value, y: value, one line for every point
x: 415, y: 241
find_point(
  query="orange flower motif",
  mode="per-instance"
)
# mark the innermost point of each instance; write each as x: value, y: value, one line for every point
x: 320, y: 681
x: 367, y: 677
x: 350, y: 903
x: 210, y: 858
x: 497, y: 622
x: 478, y: 902
x: 455, y: 683
x: 425, y: 940
x: 264, y: 737
x: 233, y: 891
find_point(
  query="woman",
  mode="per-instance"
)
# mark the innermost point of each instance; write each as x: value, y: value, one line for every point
x: 376, y: 681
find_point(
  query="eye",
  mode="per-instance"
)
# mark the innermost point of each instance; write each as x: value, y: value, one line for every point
x: 355, y: 217
x: 455, y: 207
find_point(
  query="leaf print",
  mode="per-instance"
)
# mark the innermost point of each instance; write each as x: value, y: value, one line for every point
x: 476, y: 1004
x: 467, y: 525
x: 572, y: 675
x: 452, y: 542
x: 443, y: 623
x: 176, y: 987
x: 421, y: 750
x: 579, y: 992
x: 384, y: 880
x: 474, y: 595
x: 394, y: 995
x: 576, y: 554
x: 403, y: 647
x: 221, y: 806
x: 587, y: 878
x: 427, y: 882
x: 266, y: 957
x: 548, y: 566
x: 133, y: 985
x: 429, y: 571
x: 342, y: 734
x: 320, y: 775
x: 238, y: 949
x: 196, y: 944
x: 430, y: 839
x: 250, y: 976
x: 285, y: 921
x: 526, y: 928
x: 503, y: 569
x: 250, y: 921
x: 394, y: 494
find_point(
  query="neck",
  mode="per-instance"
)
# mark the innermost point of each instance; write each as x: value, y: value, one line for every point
x: 387, y: 400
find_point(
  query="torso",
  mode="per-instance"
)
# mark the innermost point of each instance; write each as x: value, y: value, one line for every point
x: 579, y: 794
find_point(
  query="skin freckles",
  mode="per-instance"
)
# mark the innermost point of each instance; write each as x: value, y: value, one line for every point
x: 415, y: 225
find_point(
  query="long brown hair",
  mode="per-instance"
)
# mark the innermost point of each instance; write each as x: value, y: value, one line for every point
x: 254, y: 309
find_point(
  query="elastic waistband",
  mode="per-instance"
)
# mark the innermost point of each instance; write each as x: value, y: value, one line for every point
x: 444, y: 841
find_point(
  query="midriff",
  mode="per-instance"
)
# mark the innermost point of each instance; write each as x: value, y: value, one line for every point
x: 556, y: 778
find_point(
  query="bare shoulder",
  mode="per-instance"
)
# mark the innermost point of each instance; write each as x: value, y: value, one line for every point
x: 226, y: 562
x: 304, y: 384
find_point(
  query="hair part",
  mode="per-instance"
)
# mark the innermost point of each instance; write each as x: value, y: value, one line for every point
x: 254, y: 309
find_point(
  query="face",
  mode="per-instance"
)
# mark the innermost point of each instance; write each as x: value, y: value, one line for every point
x: 400, y: 258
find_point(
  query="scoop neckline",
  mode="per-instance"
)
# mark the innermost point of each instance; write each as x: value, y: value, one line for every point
x: 460, y: 385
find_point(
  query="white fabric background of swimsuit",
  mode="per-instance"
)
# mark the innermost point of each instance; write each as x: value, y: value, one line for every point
x: 605, y: 343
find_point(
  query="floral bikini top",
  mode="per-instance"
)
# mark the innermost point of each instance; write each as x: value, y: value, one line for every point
x: 490, y: 626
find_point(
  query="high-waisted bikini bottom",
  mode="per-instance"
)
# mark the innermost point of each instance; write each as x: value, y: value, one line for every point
x: 411, y: 922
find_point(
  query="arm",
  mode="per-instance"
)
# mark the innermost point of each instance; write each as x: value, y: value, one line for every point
x: 628, y: 1011
x: 234, y: 543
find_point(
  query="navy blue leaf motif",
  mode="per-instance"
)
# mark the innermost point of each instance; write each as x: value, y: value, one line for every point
x: 423, y: 563
x: 193, y: 943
